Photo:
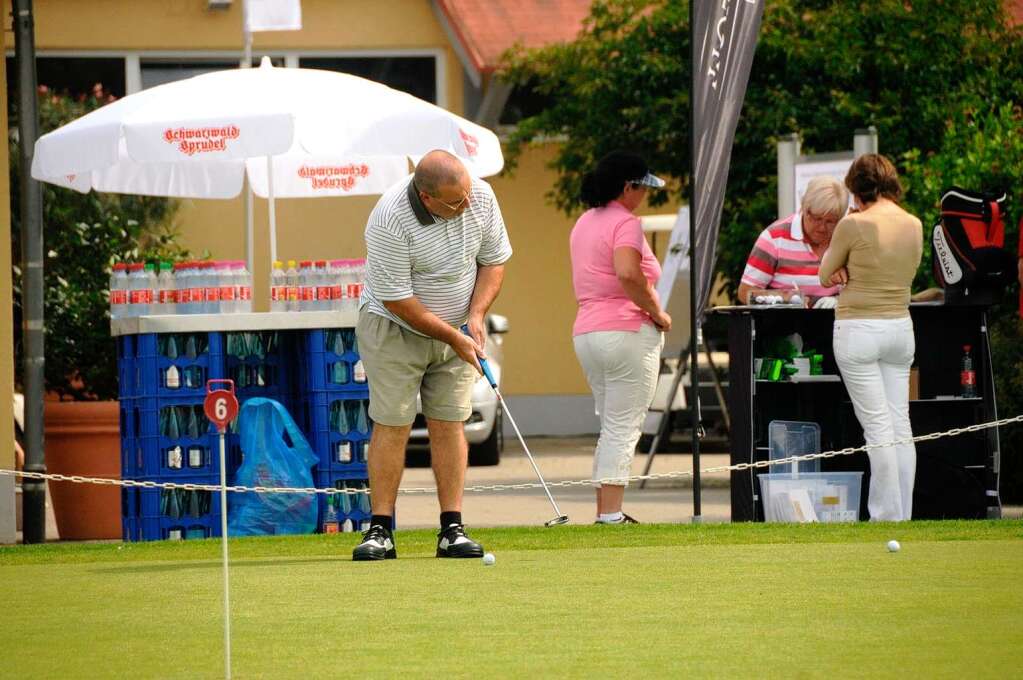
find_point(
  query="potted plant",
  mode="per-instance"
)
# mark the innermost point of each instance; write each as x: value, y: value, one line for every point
x: 84, y: 236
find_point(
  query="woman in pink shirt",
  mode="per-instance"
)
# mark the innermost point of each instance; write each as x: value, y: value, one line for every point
x: 618, y: 328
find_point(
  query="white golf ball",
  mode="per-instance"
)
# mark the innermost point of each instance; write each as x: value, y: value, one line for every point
x: 893, y: 546
x: 489, y: 559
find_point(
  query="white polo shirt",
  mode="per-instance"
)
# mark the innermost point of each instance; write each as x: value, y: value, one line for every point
x: 411, y: 252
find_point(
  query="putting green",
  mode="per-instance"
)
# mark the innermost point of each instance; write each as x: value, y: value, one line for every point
x: 639, y: 601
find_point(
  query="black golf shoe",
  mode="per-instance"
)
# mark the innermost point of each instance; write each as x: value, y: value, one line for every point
x: 452, y: 542
x: 377, y: 544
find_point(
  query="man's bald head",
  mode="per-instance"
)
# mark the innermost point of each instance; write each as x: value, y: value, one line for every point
x: 439, y: 169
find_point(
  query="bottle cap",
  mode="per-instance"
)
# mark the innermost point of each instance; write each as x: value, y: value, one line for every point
x: 321, y: 263
x: 135, y: 267
x: 291, y: 264
x: 120, y: 267
x: 150, y: 266
x: 278, y: 264
x: 966, y: 348
x: 306, y: 263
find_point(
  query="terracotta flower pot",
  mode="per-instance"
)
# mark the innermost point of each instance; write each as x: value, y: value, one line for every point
x: 83, y: 438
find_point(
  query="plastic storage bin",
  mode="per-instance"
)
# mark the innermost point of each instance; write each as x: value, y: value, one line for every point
x: 338, y: 428
x: 811, y: 496
x: 792, y: 438
x: 330, y: 361
x: 353, y: 508
x: 176, y: 514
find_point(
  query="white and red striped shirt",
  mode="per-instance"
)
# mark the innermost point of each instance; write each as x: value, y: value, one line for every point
x: 781, y: 258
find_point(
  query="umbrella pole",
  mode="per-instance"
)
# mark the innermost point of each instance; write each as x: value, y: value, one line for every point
x: 273, y: 212
x: 246, y: 62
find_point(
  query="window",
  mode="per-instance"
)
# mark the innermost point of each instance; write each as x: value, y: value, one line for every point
x: 73, y: 75
x: 523, y: 102
x: 161, y: 71
x: 414, y: 75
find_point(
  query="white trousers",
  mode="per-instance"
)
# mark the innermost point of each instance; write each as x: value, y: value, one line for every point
x: 621, y: 368
x: 874, y: 356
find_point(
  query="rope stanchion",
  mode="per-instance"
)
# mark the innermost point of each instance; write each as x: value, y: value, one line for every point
x: 677, y: 474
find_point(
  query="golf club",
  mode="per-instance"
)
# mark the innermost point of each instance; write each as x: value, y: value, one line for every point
x: 559, y: 518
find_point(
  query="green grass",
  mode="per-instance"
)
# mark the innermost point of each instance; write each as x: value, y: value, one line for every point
x: 733, y: 600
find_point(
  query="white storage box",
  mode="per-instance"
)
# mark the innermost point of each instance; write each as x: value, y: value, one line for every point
x: 811, y: 496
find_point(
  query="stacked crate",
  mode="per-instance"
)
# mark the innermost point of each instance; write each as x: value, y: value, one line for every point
x: 333, y: 412
x: 165, y: 436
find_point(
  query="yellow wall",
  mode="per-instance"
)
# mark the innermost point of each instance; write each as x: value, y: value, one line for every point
x: 6, y: 293
x: 537, y: 296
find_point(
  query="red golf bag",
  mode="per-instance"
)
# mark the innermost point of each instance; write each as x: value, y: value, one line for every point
x: 967, y: 254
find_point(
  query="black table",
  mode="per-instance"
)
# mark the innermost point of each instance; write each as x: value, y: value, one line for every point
x: 957, y: 477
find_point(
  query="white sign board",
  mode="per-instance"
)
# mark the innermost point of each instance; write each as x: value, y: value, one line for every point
x: 806, y: 170
x: 673, y: 286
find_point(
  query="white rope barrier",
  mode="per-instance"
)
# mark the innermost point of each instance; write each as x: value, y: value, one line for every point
x: 677, y: 474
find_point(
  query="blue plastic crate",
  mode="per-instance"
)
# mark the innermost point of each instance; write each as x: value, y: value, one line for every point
x: 358, y: 511
x: 158, y: 454
x: 151, y: 515
x: 194, y: 357
x: 126, y: 352
x: 328, y: 360
x: 261, y: 364
x: 327, y: 436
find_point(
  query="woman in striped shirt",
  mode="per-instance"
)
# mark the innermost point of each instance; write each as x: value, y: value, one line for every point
x: 787, y: 255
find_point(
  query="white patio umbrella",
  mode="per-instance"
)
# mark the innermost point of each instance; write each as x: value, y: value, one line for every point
x: 294, y: 132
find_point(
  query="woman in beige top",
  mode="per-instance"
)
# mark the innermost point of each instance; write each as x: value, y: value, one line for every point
x: 875, y: 253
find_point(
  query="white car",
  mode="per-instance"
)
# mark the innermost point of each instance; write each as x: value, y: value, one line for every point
x: 483, y: 430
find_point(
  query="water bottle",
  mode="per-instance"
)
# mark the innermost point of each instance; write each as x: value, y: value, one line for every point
x: 967, y: 376
x: 322, y: 286
x: 197, y: 288
x: 181, y: 292
x: 291, y: 281
x: 137, y: 304
x: 305, y: 290
x: 334, y: 270
x: 358, y: 275
x: 211, y: 286
x: 244, y: 279
x: 330, y: 523
x: 225, y: 281
x: 278, y: 288
x: 119, y: 291
x: 166, y: 300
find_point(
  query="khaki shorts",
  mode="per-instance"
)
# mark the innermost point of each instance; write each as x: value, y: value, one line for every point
x: 401, y: 364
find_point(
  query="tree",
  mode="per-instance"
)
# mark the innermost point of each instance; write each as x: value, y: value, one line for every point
x: 822, y: 69
x: 84, y: 235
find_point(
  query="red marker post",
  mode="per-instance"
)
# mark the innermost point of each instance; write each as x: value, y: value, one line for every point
x: 221, y: 407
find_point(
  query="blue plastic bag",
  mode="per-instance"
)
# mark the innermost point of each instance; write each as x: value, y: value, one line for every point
x: 266, y: 430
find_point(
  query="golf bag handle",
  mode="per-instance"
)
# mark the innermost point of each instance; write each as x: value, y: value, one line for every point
x: 484, y: 364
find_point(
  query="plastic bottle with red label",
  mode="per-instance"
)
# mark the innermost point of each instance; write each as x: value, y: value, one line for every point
x: 244, y: 279
x: 967, y: 376
x: 322, y: 287
x: 119, y: 291
x: 166, y: 297
x: 278, y: 288
x: 228, y: 293
x: 140, y: 292
x: 306, y: 286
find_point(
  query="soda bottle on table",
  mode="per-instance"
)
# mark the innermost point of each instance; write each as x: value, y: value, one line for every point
x: 119, y: 291
x: 278, y: 289
x: 306, y: 290
x: 197, y: 289
x: 137, y: 289
x: 211, y: 282
x: 225, y: 281
x: 166, y: 297
x: 336, y: 288
x: 243, y: 281
x: 967, y: 376
x: 322, y: 280
x: 182, y: 298
x: 291, y: 281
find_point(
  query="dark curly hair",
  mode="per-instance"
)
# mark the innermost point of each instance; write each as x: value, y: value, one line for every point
x: 607, y: 181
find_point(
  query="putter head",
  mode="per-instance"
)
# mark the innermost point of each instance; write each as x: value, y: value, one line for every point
x: 563, y: 519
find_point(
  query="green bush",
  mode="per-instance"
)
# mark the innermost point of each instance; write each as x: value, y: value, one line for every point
x: 84, y: 235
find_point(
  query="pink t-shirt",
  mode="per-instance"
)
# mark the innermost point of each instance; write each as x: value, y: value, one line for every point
x: 603, y: 303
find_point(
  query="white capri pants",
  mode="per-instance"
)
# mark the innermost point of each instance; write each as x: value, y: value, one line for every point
x: 621, y: 368
x: 874, y: 356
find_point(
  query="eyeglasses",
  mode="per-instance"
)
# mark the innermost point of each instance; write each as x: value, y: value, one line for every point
x: 637, y: 185
x: 453, y: 208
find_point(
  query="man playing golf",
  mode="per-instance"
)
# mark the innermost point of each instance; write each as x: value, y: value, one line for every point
x: 436, y: 247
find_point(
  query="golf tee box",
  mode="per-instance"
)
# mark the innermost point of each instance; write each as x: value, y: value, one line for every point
x: 811, y: 496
